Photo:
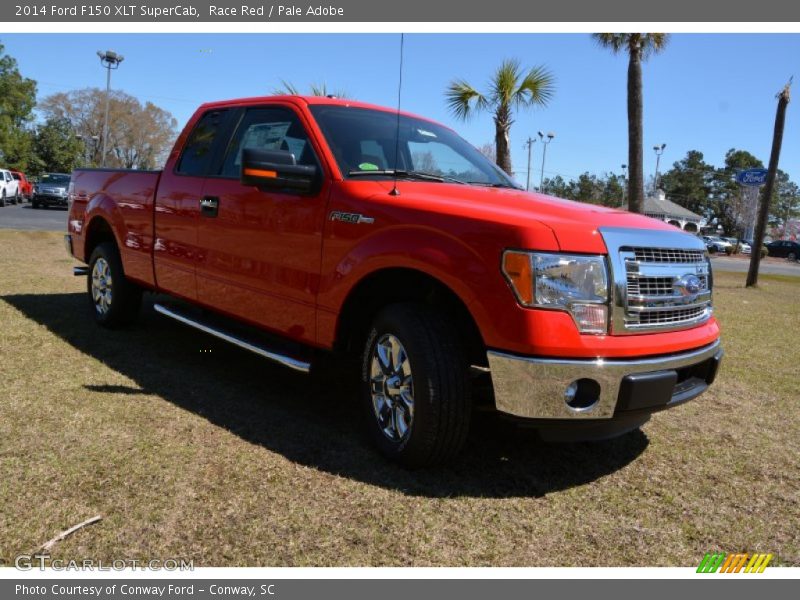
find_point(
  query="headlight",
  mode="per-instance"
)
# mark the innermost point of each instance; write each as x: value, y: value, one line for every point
x: 577, y: 284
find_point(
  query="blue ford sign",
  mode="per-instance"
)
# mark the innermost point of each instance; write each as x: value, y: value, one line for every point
x: 752, y: 177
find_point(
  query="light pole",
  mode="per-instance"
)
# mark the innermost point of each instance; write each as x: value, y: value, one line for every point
x: 625, y: 181
x: 94, y: 139
x: 109, y: 60
x: 659, y: 151
x: 529, y: 143
x: 546, y: 139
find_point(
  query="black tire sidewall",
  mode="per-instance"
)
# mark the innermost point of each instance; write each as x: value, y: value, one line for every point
x: 124, y: 300
x: 416, y: 448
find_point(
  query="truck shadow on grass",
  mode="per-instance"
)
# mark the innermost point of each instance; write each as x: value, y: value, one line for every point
x: 312, y: 420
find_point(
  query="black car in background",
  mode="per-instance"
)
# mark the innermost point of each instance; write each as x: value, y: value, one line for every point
x: 51, y: 190
x: 784, y: 249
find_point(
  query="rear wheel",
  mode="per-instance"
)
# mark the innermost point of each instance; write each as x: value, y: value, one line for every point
x: 17, y: 198
x: 415, y: 387
x: 115, y: 300
x: 792, y: 256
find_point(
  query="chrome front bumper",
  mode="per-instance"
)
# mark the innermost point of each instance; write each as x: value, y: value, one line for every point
x: 534, y: 388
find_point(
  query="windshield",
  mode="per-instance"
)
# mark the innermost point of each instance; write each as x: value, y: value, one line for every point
x: 56, y: 179
x: 364, y: 143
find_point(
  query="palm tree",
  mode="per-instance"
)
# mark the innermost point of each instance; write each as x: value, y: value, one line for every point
x: 509, y: 89
x: 639, y: 47
x: 289, y: 89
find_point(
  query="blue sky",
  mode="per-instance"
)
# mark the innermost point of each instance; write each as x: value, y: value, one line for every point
x: 708, y: 92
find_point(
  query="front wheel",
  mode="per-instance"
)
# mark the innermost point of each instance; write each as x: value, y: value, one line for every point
x: 115, y: 300
x: 3, y: 198
x: 792, y: 256
x: 415, y: 386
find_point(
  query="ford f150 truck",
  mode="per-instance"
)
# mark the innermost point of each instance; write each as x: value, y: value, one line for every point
x: 295, y: 227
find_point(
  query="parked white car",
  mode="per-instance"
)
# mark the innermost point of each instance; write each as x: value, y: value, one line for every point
x: 715, y: 243
x: 9, y: 188
x: 744, y: 247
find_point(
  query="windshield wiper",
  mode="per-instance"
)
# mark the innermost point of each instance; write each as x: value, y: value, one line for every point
x: 401, y: 173
x: 494, y: 185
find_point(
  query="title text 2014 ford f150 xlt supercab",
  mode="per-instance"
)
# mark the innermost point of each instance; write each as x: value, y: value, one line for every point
x: 303, y: 226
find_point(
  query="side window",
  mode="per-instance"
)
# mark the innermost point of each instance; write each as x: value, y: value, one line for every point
x: 267, y: 129
x: 196, y: 153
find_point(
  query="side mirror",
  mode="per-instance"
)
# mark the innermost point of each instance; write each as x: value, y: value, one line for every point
x: 276, y: 170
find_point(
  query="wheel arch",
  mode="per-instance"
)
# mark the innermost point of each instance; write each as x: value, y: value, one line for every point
x: 392, y: 285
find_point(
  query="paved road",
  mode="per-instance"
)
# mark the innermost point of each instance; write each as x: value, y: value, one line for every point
x: 22, y: 216
x: 771, y: 267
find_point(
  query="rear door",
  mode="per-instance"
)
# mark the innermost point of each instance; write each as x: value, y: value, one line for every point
x: 178, y: 204
x: 262, y: 249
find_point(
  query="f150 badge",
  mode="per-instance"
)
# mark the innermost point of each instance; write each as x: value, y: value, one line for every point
x: 346, y: 217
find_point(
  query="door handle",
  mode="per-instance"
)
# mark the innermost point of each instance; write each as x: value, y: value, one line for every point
x: 209, y: 206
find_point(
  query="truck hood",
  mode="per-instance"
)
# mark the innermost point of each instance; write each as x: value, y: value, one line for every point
x: 574, y: 224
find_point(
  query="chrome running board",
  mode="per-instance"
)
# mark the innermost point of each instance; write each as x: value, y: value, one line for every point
x: 261, y: 350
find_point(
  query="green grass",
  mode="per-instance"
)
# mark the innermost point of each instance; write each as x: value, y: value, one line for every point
x: 193, y: 449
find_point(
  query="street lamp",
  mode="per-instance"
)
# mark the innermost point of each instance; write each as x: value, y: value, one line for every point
x: 529, y: 143
x: 659, y: 151
x: 546, y: 139
x: 109, y: 60
x: 94, y: 139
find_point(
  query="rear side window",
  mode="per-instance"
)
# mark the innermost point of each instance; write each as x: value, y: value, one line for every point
x: 197, y: 153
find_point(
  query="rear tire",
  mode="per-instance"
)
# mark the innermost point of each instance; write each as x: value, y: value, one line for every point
x: 115, y: 300
x: 415, y: 386
x: 791, y: 256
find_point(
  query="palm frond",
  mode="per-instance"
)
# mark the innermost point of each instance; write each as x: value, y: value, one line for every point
x: 653, y: 43
x: 286, y: 88
x: 463, y: 99
x: 537, y: 87
x: 503, y: 85
x: 616, y: 42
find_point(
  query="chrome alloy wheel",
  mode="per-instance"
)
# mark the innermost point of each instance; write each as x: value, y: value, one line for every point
x: 101, y: 286
x: 392, y: 388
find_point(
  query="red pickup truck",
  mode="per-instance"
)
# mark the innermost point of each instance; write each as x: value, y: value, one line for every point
x: 296, y: 227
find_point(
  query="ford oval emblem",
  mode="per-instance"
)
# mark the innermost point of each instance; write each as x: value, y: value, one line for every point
x: 688, y: 285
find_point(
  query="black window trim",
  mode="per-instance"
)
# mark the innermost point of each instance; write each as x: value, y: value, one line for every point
x: 223, y: 133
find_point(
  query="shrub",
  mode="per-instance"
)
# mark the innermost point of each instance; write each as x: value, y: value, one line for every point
x: 764, y: 251
x: 729, y: 250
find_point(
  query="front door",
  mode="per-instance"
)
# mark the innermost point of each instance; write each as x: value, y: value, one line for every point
x: 262, y: 250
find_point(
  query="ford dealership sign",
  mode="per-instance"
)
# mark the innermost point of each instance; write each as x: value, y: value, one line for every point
x: 752, y: 177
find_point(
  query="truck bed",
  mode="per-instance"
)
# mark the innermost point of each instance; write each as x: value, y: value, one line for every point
x: 129, y: 196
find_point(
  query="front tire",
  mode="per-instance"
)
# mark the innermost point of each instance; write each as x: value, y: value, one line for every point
x: 115, y: 300
x: 3, y: 198
x: 415, y: 386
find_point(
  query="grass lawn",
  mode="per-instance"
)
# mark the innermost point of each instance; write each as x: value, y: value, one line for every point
x: 193, y: 449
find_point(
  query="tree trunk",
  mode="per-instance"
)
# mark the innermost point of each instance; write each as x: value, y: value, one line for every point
x: 635, y: 144
x: 502, y: 125
x: 763, y: 211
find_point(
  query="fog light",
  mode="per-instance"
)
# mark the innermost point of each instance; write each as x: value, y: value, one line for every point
x: 582, y: 394
x: 590, y: 318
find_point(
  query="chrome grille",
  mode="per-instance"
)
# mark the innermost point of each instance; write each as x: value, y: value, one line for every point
x: 661, y: 280
x: 669, y: 317
x: 668, y: 255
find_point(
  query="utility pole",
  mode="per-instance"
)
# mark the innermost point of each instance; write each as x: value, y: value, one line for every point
x: 546, y: 139
x: 110, y: 60
x: 625, y: 187
x: 763, y: 212
x: 529, y: 143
